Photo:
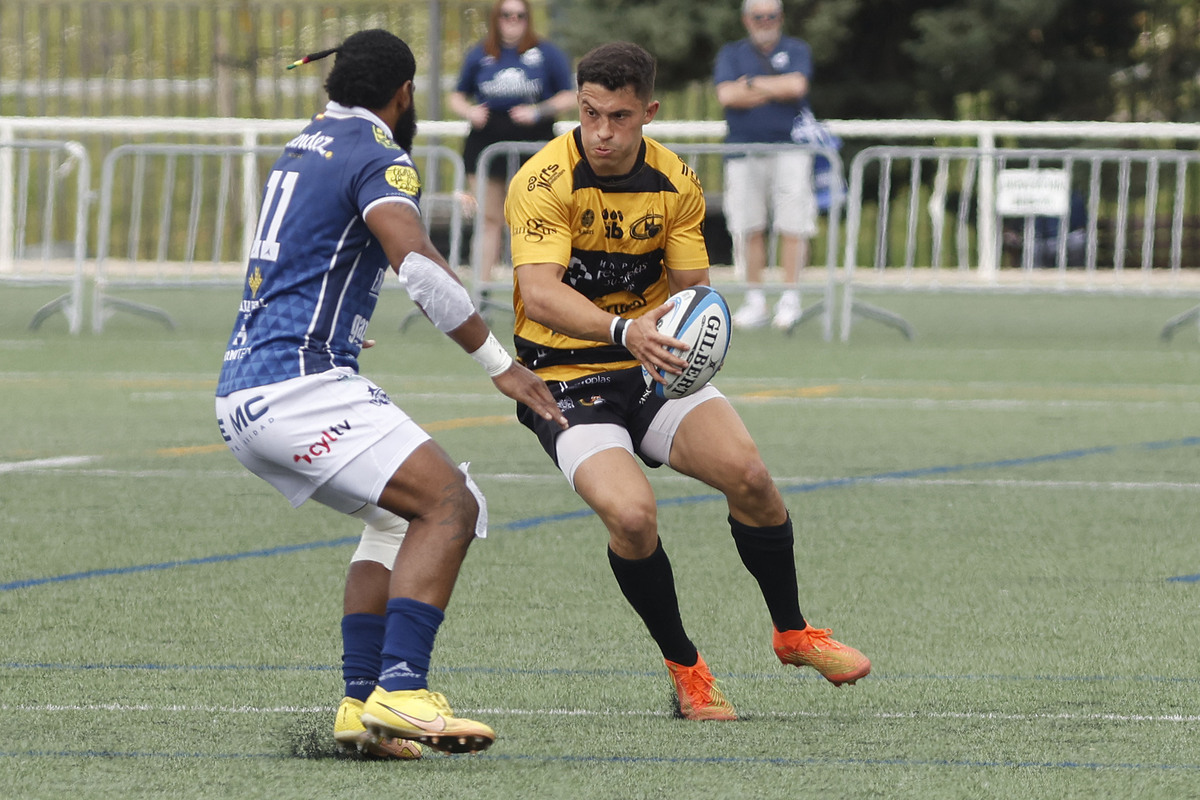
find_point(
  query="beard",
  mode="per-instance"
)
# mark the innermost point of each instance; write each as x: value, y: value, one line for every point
x: 406, y: 128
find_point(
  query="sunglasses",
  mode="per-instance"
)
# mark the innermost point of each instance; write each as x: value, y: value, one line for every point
x: 513, y: 15
x: 772, y: 17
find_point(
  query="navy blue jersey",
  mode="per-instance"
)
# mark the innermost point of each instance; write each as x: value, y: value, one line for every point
x: 770, y: 122
x: 315, y: 270
x: 514, y: 78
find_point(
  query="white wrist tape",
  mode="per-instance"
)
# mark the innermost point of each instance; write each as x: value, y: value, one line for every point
x: 443, y: 299
x: 618, y: 330
x: 492, y: 356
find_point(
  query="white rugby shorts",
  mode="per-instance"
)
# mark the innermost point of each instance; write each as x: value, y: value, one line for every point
x: 771, y: 187
x: 335, y: 431
x: 580, y: 442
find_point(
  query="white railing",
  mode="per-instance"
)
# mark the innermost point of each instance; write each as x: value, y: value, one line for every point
x: 44, y: 197
x: 985, y: 137
x: 1069, y: 220
x: 183, y: 216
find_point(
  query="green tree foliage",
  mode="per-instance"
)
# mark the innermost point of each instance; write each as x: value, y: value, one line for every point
x: 1164, y: 84
x: 1004, y: 59
x: 682, y: 34
x: 1030, y: 59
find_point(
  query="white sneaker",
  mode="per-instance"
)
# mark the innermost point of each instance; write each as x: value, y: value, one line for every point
x: 787, y: 312
x: 753, y: 314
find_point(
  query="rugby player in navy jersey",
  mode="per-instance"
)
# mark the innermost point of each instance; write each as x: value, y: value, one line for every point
x: 340, y: 208
x: 606, y: 224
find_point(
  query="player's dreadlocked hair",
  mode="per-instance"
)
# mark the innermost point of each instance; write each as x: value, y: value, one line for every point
x: 370, y: 66
x: 616, y: 65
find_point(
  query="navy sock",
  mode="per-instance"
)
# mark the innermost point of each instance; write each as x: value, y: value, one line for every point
x: 649, y: 586
x: 362, y: 642
x: 768, y: 555
x: 408, y: 644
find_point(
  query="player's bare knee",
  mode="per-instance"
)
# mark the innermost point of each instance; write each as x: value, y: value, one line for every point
x: 634, y: 523
x: 466, y: 507
x: 750, y: 481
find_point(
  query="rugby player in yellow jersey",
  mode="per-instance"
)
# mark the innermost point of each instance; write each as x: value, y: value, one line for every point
x: 606, y: 224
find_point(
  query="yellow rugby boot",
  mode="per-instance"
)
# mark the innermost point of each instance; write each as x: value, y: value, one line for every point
x: 426, y: 717
x: 351, y: 734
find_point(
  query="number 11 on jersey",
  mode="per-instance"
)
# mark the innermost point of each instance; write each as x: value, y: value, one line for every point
x: 266, y: 245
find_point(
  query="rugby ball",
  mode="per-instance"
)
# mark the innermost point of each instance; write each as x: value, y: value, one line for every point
x: 699, y: 317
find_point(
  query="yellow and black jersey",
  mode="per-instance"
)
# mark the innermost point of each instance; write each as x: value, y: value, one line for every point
x: 615, y: 236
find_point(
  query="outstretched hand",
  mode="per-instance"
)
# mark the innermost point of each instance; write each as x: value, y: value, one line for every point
x: 519, y: 383
x: 649, y: 346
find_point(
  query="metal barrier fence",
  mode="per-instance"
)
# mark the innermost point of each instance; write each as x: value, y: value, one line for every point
x: 728, y: 281
x: 226, y: 58
x: 44, y: 197
x: 959, y: 178
x: 183, y: 216
x: 977, y: 219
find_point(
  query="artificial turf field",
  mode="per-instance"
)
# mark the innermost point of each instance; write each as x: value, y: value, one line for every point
x: 1001, y: 514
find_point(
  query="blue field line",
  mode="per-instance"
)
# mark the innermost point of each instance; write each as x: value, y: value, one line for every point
x: 906, y: 474
x: 189, y: 562
x: 530, y: 522
x: 735, y: 761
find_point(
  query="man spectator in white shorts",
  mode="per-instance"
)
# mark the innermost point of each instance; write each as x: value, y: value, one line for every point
x: 762, y: 82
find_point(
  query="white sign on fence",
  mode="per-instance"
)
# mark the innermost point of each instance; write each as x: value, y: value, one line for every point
x: 1033, y: 193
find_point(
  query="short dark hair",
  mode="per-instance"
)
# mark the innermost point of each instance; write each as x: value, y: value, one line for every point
x: 616, y: 65
x: 370, y: 66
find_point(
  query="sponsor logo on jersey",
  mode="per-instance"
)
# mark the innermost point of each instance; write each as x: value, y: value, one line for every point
x: 382, y: 138
x: 324, y: 445
x: 596, y: 274
x: 313, y: 142
x: 545, y: 178
x: 589, y: 380
x: 621, y: 309
x: 255, y: 281
x: 647, y: 227
x: 403, y: 178
x: 565, y: 404
x: 535, y: 230
x: 688, y: 172
x: 612, y: 224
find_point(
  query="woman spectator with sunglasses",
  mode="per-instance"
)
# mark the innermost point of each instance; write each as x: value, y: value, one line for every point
x: 511, y: 87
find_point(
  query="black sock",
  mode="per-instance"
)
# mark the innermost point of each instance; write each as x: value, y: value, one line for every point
x: 768, y: 555
x: 649, y: 586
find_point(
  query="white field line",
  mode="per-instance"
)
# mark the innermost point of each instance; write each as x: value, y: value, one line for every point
x: 121, y: 708
x: 40, y: 464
